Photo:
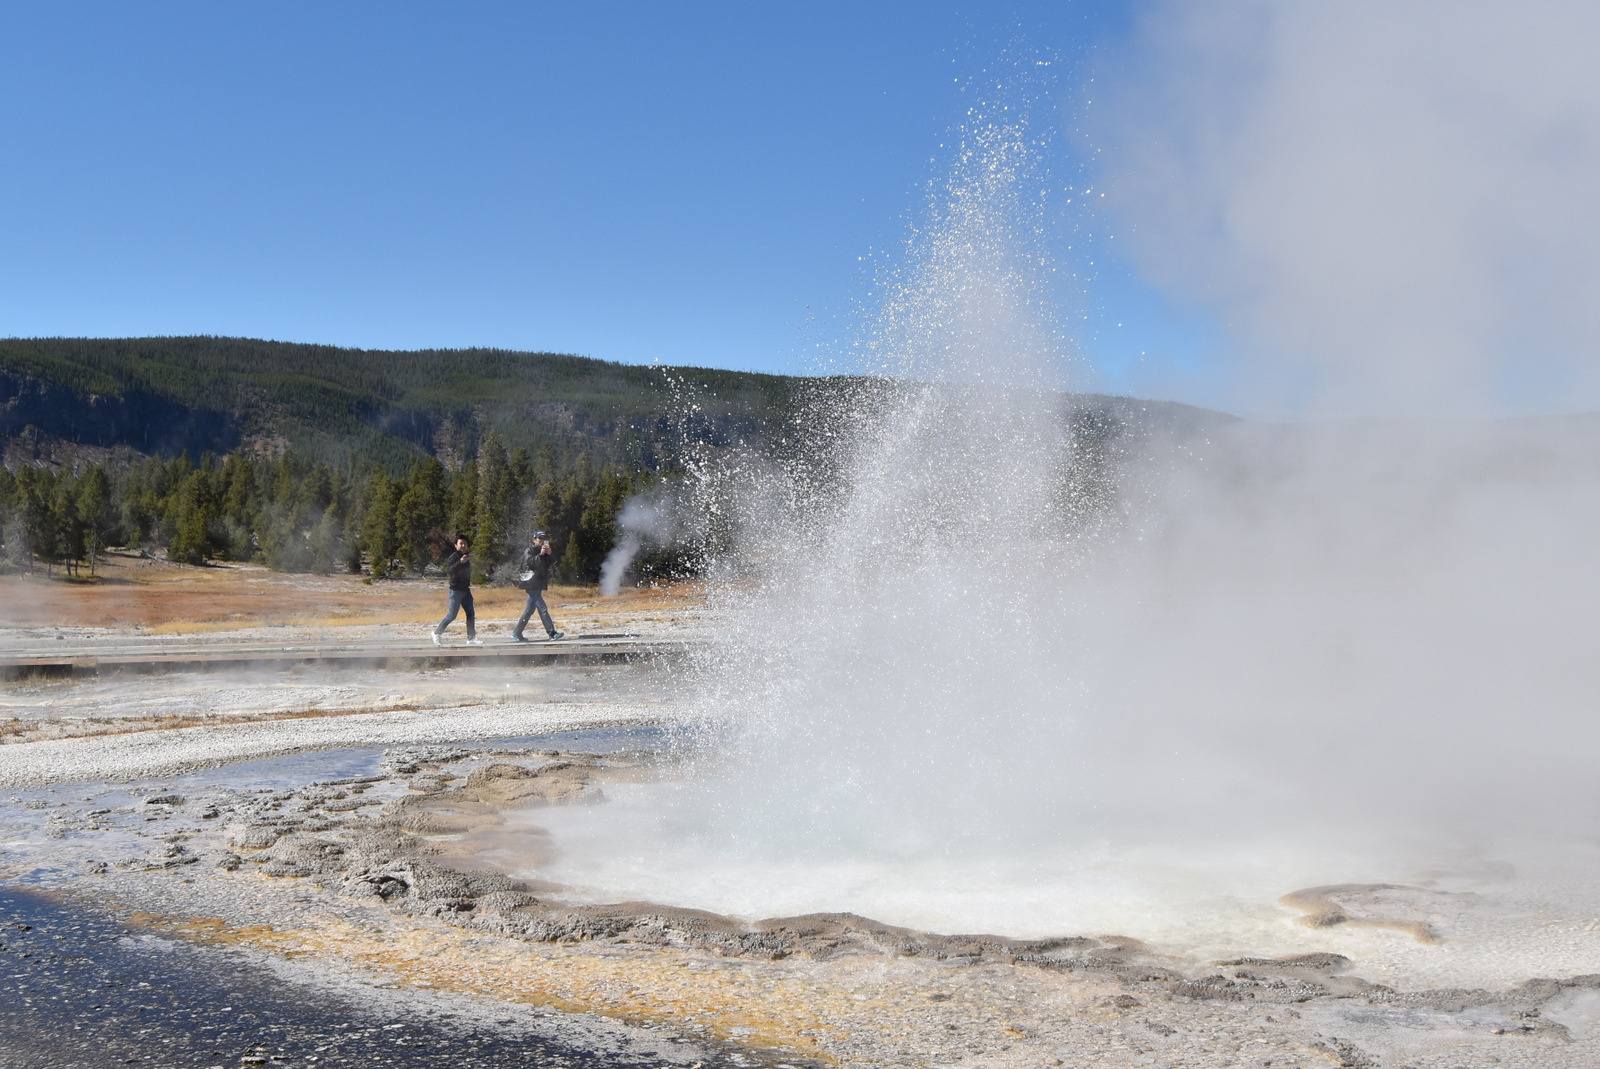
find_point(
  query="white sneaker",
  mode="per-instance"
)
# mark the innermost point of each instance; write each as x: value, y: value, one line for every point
x: 436, y: 641
x: 474, y: 641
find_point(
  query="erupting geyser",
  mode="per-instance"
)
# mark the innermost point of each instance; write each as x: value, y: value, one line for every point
x: 999, y: 656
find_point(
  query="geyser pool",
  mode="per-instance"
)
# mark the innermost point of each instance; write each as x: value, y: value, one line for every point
x: 997, y: 657
x: 975, y: 612
x: 1503, y: 911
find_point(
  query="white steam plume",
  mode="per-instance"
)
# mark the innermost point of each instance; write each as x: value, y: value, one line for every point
x: 976, y: 622
x: 973, y: 635
x: 1390, y: 205
x: 644, y: 519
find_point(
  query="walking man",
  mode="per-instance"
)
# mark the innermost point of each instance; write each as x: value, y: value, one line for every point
x: 459, y: 569
x: 537, y: 560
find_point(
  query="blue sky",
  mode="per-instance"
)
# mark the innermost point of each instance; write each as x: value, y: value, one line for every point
x: 685, y: 183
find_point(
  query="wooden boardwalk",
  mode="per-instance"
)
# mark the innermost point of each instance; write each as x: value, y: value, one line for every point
x: 43, y: 658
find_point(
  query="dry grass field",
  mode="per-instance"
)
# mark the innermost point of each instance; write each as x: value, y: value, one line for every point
x: 157, y: 597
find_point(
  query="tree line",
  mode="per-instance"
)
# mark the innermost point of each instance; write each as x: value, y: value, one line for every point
x: 353, y: 408
x: 298, y: 515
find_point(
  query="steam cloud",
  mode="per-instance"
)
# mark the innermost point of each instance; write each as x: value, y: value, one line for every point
x: 1391, y: 205
x: 975, y: 624
x: 1016, y: 633
x: 643, y: 519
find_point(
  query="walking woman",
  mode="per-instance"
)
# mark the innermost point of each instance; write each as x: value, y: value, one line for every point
x: 459, y: 569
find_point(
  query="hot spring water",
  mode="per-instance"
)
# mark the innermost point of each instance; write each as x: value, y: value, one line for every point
x: 1000, y: 661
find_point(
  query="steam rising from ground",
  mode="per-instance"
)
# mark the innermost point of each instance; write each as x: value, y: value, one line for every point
x: 975, y: 633
x: 977, y: 618
x: 1390, y: 205
x: 1006, y: 637
x: 644, y: 518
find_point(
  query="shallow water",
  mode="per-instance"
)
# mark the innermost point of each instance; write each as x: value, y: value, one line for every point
x: 1503, y: 911
x: 40, y: 855
x: 82, y: 990
x: 296, y: 770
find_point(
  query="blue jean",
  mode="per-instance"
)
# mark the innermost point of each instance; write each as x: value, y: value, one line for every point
x: 535, y: 601
x: 459, y: 600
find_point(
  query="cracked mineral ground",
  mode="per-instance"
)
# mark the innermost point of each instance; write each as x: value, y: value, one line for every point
x: 453, y: 864
x: 338, y: 906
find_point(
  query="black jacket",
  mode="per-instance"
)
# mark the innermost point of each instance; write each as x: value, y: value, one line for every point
x: 540, y: 564
x: 459, y: 571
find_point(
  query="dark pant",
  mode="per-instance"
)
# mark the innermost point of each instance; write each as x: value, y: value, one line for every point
x: 535, y: 601
x: 459, y: 600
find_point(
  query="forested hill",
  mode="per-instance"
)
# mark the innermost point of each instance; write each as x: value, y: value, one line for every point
x: 355, y: 407
x: 309, y: 457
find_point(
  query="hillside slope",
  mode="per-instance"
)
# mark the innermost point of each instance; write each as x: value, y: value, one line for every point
x: 355, y: 407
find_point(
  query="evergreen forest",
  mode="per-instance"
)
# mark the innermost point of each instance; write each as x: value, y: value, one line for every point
x: 313, y: 458
x: 295, y: 514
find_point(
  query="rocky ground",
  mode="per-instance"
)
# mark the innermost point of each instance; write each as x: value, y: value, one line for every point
x: 384, y: 877
x: 319, y: 849
x: 146, y: 605
x: 86, y: 987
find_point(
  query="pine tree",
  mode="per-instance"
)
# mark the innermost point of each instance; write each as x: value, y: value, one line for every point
x: 196, y: 508
x: 94, y: 512
x: 40, y: 535
x: 241, y: 508
x: 522, y: 477
x: 597, y: 527
x: 419, y: 510
x: 10, y: 518
x: 378, y: 525
x: 69, y: 526
x: 566, y: 517
x: 494, y: 503
x: 463, y: 501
